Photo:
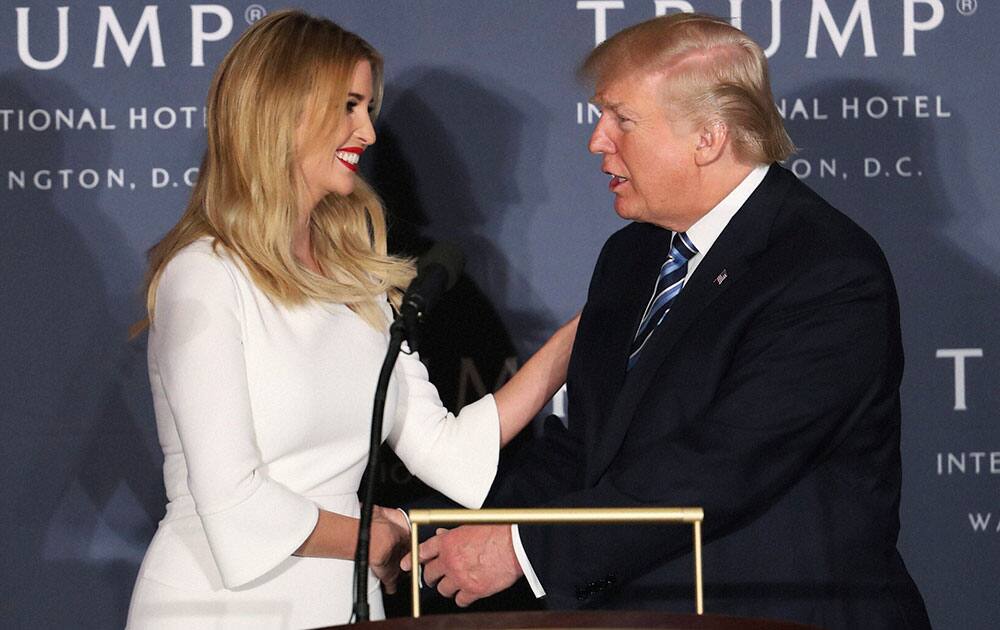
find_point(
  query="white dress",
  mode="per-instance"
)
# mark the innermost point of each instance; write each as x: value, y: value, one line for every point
x: 263, y: 415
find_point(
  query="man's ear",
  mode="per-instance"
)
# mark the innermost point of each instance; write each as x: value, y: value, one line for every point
x: 712, y: 140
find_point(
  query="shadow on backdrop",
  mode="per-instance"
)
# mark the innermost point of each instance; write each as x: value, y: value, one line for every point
x: 82, y: 489
x: 948, y: 299
x: 446, y: 163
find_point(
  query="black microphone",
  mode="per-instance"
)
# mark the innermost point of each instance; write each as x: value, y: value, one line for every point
x: 437, y: 271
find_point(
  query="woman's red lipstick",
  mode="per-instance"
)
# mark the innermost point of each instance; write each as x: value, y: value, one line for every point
x: 349, y: 156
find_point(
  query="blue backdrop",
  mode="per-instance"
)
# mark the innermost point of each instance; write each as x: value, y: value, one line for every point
x: 482, y: 140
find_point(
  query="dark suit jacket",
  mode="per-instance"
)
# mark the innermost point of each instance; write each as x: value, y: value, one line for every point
x: 769, y: 396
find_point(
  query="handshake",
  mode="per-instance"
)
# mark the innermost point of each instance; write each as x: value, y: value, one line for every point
x: 466, y: 563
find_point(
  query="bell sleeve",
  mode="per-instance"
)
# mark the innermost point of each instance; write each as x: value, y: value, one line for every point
x: 456, y: 455
x: 252, y: 522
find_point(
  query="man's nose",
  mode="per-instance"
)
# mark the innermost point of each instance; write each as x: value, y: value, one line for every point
x: 599, y: 141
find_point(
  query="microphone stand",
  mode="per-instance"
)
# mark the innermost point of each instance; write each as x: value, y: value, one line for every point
x: 397, y: 331
x: 439, y: 270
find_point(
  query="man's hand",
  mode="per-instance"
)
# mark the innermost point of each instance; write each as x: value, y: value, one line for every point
x: 389, y: 541
x: 470, y: 562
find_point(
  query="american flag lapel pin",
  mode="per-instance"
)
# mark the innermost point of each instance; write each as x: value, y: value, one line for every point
x: 719, y: 279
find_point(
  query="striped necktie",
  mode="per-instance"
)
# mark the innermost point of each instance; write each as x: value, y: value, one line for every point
x: 668, y: 286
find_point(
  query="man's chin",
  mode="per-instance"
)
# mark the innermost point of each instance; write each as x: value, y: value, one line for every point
x: 626, y: 210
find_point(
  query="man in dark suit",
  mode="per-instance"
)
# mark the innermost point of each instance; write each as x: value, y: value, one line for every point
x: 739, y: 350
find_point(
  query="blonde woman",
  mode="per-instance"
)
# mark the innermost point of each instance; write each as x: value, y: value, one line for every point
x: 269, y: 304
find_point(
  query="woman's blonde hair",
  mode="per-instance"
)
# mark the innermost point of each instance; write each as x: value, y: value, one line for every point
x: 714, y: 72
x: 246, y: 198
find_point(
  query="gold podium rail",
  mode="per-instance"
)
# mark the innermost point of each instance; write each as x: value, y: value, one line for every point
x: 557, y: 516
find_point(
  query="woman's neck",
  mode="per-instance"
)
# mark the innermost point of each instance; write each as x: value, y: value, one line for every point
x: 302, y: 246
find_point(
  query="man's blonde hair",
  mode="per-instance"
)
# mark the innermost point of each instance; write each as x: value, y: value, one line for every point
x: 713, y: 72
x: 246, y: 198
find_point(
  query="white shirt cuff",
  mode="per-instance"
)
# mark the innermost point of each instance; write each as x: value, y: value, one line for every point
x: 522, y: 559
x: 406, y: 515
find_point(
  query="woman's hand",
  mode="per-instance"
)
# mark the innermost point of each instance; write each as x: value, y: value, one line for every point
x: 389, y: 543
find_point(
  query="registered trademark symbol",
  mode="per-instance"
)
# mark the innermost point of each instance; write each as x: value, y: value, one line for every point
x: 253, y: 13
x: 966, y: 7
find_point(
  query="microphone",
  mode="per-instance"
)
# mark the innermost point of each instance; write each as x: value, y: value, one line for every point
x: 437, y: 271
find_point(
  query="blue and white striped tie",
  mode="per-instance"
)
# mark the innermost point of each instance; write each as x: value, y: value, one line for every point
x: 668, y: 286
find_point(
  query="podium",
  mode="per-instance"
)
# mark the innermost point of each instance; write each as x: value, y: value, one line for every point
x: 536, y: 620
x: 549, y: 516
x: 607, y: 619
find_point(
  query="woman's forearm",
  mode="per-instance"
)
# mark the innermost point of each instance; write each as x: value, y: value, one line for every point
x: 532, y: 386
x: 335, y: 536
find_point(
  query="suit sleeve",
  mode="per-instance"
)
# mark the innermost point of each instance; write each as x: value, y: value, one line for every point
x: 251, y: 521
x: 553, y: 465
x: 548, y: 467
x: 805, y: 373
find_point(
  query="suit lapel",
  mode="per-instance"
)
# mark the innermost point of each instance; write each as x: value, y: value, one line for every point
x: 611, y: 323
x: 729, y: 258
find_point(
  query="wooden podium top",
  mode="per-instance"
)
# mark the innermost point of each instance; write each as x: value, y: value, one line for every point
x: 597, y: 619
